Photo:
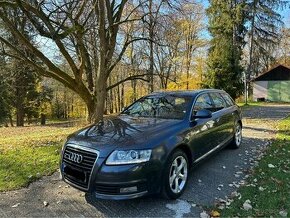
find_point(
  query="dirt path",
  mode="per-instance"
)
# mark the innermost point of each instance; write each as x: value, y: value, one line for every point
x: 216, y: 178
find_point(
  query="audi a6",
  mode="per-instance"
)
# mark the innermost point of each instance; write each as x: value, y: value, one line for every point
x: 151, y: 145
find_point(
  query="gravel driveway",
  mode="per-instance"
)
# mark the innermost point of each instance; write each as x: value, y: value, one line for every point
x: 213, y: 180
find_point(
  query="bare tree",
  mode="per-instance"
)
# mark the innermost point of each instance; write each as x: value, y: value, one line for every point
x: 84, y: 34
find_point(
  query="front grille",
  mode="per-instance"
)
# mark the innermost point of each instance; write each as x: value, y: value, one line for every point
x: 78, y: 173
x: 115, y: 189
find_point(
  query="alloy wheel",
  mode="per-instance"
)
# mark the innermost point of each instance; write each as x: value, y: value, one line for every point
x: 178, y: 174
x: 238, y: 135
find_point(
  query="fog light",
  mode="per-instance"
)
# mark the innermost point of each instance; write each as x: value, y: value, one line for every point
x: 128, y: 189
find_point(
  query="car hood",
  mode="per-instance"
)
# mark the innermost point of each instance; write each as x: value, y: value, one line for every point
x: 124, y: 131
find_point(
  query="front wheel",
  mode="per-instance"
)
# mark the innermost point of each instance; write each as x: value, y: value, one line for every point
x: 175, y: 175
x: 237, y: 139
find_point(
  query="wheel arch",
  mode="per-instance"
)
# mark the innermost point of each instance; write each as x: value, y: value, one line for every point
x: 186, y: 149
x: 241, y: 123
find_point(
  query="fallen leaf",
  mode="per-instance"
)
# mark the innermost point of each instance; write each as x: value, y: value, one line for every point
x: 271, y: 166
x: 215, y: 213
x: 203, y: 214
x: 15, y: 205
x: 283, y: 213
x: 261, y: 189
x: 247, y: 205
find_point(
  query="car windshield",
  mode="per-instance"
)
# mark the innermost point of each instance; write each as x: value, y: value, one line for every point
x: 165, y: 107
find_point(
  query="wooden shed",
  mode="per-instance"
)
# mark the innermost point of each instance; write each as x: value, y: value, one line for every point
x: 273, y: 85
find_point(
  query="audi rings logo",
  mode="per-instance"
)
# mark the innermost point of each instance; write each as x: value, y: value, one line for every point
x: 77, y: 158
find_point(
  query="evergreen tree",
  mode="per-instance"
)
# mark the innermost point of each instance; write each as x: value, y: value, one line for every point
x: 226, y: 26
x: 20, y: 77
x: 4, y: 99
x: 265, y: 24
x: 21, y: 91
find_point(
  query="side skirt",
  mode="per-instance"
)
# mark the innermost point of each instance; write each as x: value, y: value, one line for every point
x: 219, y: 146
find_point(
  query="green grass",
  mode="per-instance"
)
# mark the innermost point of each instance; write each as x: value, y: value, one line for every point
x: 242, y: 104
x: 275, y: 181
x: 254, y: 103
x: 28, y: 153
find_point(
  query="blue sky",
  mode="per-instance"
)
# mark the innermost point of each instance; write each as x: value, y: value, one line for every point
x: 286, y: 16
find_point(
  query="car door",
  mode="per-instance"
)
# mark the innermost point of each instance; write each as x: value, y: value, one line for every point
x: 231, y: 112
x: 200, y: 133
x: 222, y: 118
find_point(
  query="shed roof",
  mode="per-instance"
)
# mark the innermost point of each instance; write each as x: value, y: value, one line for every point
x: 276, y: 73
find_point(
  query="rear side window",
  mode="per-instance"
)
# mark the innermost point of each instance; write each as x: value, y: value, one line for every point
x: 203, y: 102
x: 219, y: 102
x: 228, y: 99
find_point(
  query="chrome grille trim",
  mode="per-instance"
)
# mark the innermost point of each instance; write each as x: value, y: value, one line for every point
x: 86, y: 166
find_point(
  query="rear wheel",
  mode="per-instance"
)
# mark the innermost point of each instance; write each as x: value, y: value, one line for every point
x: 175, y: 175
x: 237, y: 139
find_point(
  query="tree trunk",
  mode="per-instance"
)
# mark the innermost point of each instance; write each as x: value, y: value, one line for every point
x: 122, y: 97
x: 116, y: 100
x: 91, y: 107
x: 100, y: 93
x: 119, y: 99
x: 11, y: 120
x: 42, y: 119
x: 111, y: 100
x: 151, y: 57
x: 134, y: 85
x: 20, y: 115
x: 19, y: 108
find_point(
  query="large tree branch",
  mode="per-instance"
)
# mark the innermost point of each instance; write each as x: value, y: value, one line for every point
x: 134, y: 77
x: 86, y: 64
x: 7, y: 3
x: 125, y: 46
x: 34, y: 50
x: 27, y: 9
x: 22, y: 56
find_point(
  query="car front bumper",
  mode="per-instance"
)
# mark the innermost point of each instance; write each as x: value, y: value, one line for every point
x: 118, y: 182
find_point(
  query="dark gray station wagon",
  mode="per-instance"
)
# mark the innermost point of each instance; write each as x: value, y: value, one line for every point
x: 151, y: 146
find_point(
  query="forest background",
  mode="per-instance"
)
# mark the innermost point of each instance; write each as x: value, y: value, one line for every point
x: 82, y: 59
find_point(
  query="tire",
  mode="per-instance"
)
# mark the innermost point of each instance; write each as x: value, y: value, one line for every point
x: 237, y: 138
x: 175, y: 175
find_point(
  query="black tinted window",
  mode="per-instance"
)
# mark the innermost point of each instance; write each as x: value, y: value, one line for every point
x: 203, y: 102
x: 228, y: 99
x: 219, y: 102
x: 166, y: 107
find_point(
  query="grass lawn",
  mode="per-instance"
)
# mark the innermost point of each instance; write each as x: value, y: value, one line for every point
x: 28, y: 153
x: 268, y: 187
x: 254, y: 103
x: 242, y: 104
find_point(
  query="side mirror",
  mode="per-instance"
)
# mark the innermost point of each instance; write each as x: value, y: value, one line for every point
x: 203, y: 113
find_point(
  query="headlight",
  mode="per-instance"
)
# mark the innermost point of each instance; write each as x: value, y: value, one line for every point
x: 128, y: 157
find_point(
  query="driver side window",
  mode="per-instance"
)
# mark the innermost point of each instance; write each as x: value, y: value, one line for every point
x: 203, y: 102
